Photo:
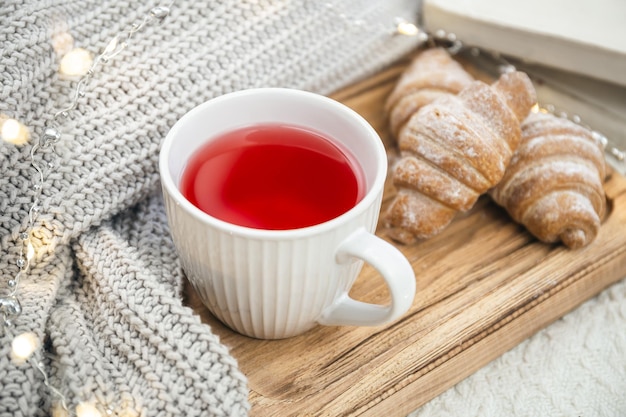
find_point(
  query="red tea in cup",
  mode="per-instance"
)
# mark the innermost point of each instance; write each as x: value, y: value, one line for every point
x: 273, y: 170
x: 273, y: 177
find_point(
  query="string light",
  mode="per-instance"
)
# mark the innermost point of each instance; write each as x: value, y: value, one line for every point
x: 87, y: 409
x: 111, y: 47
x: 23, y: 346
x: 62, y: 43
x: 13, y: 131
x: 406, y: 28
x: 76, y: 63
x: 30, y: 250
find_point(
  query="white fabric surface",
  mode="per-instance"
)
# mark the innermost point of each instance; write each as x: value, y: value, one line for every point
x: 574, y: 367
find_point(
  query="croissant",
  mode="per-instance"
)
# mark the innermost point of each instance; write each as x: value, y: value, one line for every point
x: 554, y: 184
x: 452, y: 151
x: 433, y: 73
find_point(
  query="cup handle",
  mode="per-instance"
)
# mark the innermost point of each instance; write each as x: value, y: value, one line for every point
x: 394, y: 268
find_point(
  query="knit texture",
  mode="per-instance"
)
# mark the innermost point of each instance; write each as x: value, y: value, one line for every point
x: 574, y: 367
x: 104, y: 290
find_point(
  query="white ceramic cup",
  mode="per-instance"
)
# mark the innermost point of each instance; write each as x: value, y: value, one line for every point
x: 272, y: 284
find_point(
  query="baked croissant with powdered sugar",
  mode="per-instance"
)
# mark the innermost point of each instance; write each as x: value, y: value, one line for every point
x: 452, y: 151
x: 554, y: 184
x: 432, y: 74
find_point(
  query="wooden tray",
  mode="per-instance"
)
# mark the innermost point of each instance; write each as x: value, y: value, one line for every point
x: 484, y: 285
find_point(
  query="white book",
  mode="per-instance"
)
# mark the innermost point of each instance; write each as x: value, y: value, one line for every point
x: 575, y: 51
x: 585, y: 37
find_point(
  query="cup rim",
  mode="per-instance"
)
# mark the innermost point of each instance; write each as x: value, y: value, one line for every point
x: 376, y: 188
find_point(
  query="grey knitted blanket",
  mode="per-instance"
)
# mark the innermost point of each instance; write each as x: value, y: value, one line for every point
x: 103, y: 292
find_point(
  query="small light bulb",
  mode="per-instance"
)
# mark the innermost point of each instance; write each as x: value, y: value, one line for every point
x: 86, y: 409
x: 12, y: 131
x: 76, y: 62
x: 407, y: 28
x: 30, y: 251
x: 23, y: 346
x: 111, y: 46
x: 62, y: 43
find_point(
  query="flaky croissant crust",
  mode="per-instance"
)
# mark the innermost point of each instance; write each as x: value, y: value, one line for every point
x: 554, y: 184
x: 452, y: 151
x: 432, y: 74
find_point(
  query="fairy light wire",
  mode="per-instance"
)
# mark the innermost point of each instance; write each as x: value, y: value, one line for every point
x: 50, y: 137
x: 25, y: 346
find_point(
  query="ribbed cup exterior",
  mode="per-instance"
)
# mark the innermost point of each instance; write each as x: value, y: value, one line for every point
x: 267, y: 287
x: 269, y: 284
